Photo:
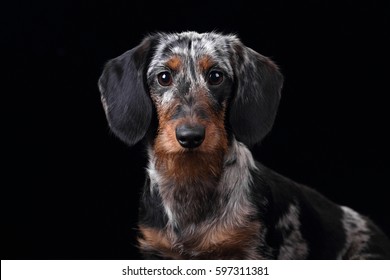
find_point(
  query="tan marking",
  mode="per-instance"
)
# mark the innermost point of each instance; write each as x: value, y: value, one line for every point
x: 205, y: 63
x: 157, y: 242
x: 154, y: 237
x: 235, y: 242
x: 174, y: 63
x: 208, y: 242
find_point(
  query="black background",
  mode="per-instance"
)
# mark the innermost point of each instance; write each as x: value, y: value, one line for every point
x: 70, y: 188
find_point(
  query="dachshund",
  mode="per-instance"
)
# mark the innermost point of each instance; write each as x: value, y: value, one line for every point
x: 199, y: 102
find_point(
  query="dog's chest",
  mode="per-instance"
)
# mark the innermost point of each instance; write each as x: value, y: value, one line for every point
x: 202, y: 242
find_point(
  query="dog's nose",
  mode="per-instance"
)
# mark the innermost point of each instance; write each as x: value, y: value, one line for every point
x: 190, y: 136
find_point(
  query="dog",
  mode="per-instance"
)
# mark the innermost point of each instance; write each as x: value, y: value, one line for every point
x: 199, y: 102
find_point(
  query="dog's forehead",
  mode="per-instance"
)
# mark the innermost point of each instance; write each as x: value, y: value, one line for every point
x: 192, y: 47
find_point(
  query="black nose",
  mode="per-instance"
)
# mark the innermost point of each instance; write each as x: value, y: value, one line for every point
x: 190, y: 136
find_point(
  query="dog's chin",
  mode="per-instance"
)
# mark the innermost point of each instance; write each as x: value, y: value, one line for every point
x: 198, y: 154
x: 201, y: 153
x: 191, y: 163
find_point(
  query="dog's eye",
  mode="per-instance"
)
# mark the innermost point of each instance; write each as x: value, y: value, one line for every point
x: 164, y: 78
x: 215, y: 78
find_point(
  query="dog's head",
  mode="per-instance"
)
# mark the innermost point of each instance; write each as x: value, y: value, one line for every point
x: 203, y: 87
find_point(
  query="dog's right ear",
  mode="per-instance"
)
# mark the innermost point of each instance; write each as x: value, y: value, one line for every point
x: 125, y: 100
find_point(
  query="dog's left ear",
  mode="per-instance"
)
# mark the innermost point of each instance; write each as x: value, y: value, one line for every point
x: 124, y: 95
x: 258, y: 86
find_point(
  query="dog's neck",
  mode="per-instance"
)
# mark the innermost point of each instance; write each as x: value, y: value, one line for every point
x: 195, y: 187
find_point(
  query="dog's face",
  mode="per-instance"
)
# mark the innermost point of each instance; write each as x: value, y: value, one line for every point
x: 190, y: 81
x: 204, y: 88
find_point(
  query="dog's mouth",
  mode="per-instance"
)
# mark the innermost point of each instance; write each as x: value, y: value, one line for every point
x: 190, y: 136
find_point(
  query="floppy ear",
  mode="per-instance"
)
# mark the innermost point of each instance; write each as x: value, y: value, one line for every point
x: 125, y: 100
x: 254, y: 106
